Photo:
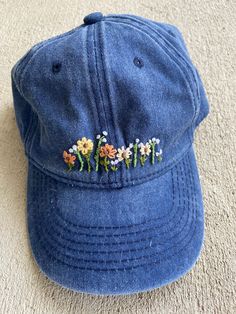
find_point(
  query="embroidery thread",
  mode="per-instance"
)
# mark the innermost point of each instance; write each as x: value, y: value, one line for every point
x: 107, y: 157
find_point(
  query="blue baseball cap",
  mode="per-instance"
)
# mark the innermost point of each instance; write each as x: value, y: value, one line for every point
x: 107, y: 114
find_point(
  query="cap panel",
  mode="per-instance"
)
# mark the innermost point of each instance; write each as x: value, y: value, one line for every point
x: 58, y: 86
x: 23, y: 109
x: 175, y: 38
x: 90, y: 79
x: 152, y: 101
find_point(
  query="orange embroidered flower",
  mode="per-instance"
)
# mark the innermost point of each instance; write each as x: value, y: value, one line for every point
x: 108, y: 151
x: 69, y: 159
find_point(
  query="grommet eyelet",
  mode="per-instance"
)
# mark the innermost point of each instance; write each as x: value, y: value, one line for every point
x: 138, y: 62
x: 56, y: 67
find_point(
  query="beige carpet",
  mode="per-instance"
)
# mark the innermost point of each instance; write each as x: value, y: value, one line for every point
x: 209, y: 29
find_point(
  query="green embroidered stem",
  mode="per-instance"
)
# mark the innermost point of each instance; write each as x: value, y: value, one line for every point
x: 142, y: 160
x: 104, y: 162
x: 114, y: 168
x: 96, y: 156
x: 80, y: 160
x: 127, y: 162
x: 88, y: 162
x: 153, y: 153
x: 135, y: 148
x: 70, y: 166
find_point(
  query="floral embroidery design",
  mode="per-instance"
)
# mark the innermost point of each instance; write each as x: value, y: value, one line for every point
x: 107, y: 157
x: 125, y: 154
x: 107, y: 152
x: 69, y: 159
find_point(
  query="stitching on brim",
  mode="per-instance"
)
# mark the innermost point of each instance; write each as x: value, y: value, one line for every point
x: 140, y: 265
x: 129, y: 242
x: 140, y: 240
x: 102, y: 228
x: 119, y: 228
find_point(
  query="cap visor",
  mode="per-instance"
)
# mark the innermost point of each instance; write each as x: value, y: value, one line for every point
x: 117, y: 241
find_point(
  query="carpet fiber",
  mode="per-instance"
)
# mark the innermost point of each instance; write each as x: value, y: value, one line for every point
x: 209, y: 30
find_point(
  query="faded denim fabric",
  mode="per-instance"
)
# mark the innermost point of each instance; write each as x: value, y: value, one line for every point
x: 117, y: 232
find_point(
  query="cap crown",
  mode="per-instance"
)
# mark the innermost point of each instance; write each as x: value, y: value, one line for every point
x: 126, y: 75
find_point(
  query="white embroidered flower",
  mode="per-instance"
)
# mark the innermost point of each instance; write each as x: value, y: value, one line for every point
x: 123, y: 153
x: 98, y: 136
x: 157, y: 141
x: 159, y: 153
x: 140, y: 144
x: 74, y: 147
x: 104, y: 140
x: 131, y: 145
x: 114, y: 162
x: 71, y: 150
x: 137, y: 140
x: 145, y: 150
x: 154, y: 140
x: 150, y: 141
x: 104, y: 133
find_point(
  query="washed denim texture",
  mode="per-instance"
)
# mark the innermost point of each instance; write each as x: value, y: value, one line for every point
x: 117, y: 232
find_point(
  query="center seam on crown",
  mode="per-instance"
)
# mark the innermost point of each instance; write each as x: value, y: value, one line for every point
x: 106, y: 81
x: 90, y: 83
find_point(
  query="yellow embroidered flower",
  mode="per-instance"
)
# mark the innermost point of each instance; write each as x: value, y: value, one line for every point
x: 85, y: 146
x: 145, y: 150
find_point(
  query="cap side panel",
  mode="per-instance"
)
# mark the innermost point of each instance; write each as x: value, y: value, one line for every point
x: 186, y: 62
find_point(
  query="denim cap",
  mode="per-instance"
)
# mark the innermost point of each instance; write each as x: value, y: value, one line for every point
x: 107, y: 113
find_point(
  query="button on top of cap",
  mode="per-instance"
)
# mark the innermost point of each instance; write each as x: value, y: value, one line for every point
x: 93, y: 18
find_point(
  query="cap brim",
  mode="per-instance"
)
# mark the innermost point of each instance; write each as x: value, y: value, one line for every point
x: 117, y: 241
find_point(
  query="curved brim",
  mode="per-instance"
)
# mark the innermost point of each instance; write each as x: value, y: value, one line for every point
x: 117, y: 241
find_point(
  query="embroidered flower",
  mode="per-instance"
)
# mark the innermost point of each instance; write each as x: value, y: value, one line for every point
x: 153, y: 143
x: 124, y: 154
x: 108, y: 151
x: 159, y: 155
x: 145, y: 149
x: 101, y: 139
x: 69, y: 159
x: 107, y: 156
x: 85, y: 146
x: 114, y: 164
